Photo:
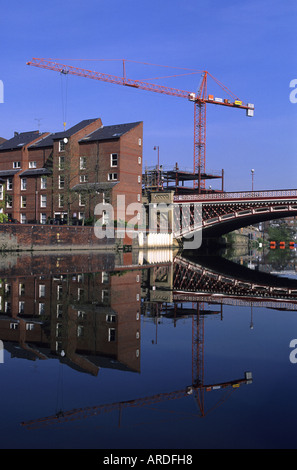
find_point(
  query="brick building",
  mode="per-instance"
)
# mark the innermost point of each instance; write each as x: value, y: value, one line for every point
x: 64, y: 175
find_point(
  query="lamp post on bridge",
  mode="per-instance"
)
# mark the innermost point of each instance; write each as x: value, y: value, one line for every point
x: 252, y: 173
x: 158, y: 167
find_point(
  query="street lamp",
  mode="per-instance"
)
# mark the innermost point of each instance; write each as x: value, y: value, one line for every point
x: 158, y: 167
x: 252, y: 173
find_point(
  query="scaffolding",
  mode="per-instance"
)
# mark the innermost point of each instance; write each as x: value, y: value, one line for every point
x: 159, y: 178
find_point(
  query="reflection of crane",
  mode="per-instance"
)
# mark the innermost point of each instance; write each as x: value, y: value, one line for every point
x: 196, y: 390
x: 89, y: 411
x: 199, y: 99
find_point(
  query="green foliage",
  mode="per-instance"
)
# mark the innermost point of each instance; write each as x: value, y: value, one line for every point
x: 3, y: 218
x: 283, y: 233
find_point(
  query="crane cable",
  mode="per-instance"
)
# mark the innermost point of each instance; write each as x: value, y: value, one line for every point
x: 64, y: 96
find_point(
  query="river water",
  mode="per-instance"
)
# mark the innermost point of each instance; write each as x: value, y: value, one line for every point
x: 148, y: 351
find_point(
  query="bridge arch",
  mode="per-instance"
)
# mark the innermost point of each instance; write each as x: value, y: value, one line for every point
x: 225, y: 212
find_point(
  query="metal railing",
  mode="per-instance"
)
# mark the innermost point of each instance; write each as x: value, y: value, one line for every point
x: 281, y: 193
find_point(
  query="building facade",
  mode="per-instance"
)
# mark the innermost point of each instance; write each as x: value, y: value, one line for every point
x: 62, y: 176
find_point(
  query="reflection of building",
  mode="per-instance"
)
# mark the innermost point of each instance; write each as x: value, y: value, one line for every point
x: 65, y: 174
x: 87, y: 320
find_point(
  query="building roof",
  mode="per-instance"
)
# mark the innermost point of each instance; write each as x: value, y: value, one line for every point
x: 35, y: 172
x: 6, y: 173
x: 19, y: 140
x: 48, y: 141
x: 109, y: 132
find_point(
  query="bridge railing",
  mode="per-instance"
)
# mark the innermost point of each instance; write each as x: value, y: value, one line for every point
x: 279, y: 193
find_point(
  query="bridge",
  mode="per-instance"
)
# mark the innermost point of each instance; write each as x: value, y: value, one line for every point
x: 224, y: 212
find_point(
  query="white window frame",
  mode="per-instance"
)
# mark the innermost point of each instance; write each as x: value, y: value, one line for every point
x: 111, y: 335
x: 61, y: 162
x: 43, y: 200
x: 9, y: 184
x: 62, y: 145
x: 43, y: 218
x: 23, y: 184
x: 83, y: 178
x: 1, y: 192
x: 23, y: 219
x: 32, y: 164
x: 61, y: 183
x: 43, y: 182
x: 9, y: 201
x: 81, y: 200
x: 16, y: 165
x: 112, y: 176
x: 23, y: 202
x: 41, y: 290
x: 82, y: 163
x: 114, y: 158
x: 61, y: 200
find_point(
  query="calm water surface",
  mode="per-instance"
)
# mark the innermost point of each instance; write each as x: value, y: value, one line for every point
x: 135, y: 352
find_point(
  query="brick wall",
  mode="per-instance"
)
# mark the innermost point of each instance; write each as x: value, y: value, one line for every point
x: 51, y: 237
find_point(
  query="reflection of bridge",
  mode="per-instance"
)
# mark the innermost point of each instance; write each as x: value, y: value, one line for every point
x: 193, y: 281
x: 224, y: 212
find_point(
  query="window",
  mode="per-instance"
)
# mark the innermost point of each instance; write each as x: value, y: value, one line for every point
x: 139, y: 142
x: 62, y: 145
x: 81, y: 215
x: 80, y: 331
x: 23, y: 219
x: 82, y: 199
x: 61, y: 182
x: 139, y: 179
x: 13, y: 326
x: 61, y: 200
x: 32, y: 164
x: 23, y: 202
x: 80, y: 293
x: 110, y: 318
x: 105, y: 277
x: 23, y: 183
x: 59, y: 310
x: 9, y: 184
x: 138, y: 197
x: 43, y: 182
x: 59, y: 292
x: 21, y: 306
x: 16, y: 165
x: 139, y: 160
x: 21, y: 289
x: 41, y: 290
x: 43, y: 200
x: 41, y: 308
x: 29, y: 326
x: 114, y: 159
x: 82, y: 163
x: 112, y: 176
x: 43, y: 219
x: 83, y: 178
x: 1, y: 192
x: 105, y: 198
x: 111, y: 334
x: 61, y: 162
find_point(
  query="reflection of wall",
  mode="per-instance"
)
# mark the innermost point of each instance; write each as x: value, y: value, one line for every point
x: 84, y: 315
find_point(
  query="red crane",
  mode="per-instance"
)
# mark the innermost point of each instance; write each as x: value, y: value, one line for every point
x: 200, y: 99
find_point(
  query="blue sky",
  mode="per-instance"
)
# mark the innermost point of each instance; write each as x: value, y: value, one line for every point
x: 250, y: 46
